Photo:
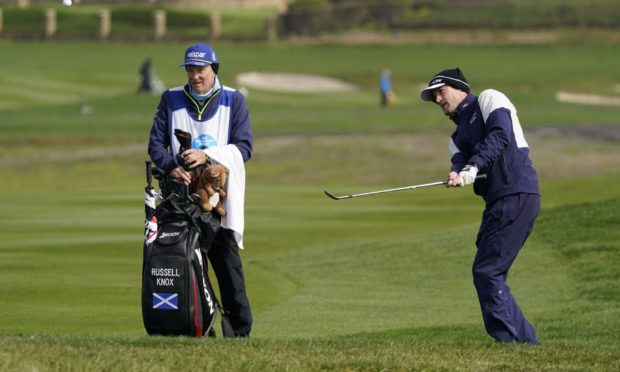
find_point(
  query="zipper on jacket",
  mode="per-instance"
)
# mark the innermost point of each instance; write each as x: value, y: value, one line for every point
x: 197, y: 104
x: 504, y: 168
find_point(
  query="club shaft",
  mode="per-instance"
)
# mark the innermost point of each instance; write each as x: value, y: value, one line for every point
x: 438, y: 183
x: 149, y: 175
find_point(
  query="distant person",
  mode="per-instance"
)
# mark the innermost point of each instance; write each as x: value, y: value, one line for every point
x: 489, y: 140
x: 86, y: 108
x: 385, y: 86
x: 218, y: 120
x: 146, y: 77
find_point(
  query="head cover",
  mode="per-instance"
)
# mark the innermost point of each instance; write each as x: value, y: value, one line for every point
x: 452, y: 77
x: 201, y: 55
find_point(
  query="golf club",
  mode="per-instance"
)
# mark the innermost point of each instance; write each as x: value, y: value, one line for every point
x: 438, y: 183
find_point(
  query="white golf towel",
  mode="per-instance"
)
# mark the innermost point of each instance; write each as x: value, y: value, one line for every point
x: 230, y: 157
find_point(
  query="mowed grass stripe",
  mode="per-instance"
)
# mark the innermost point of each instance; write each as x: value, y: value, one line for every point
x: 19, y: 93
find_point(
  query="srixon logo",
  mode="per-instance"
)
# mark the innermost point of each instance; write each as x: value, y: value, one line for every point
x: 170, y: 237
x: 204, y: 285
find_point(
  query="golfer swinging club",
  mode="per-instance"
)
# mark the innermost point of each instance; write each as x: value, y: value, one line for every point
x: 489, y: 139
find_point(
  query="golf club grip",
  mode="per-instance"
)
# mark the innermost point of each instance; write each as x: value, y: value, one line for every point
x: 478, y: 177
x: 149, y: 175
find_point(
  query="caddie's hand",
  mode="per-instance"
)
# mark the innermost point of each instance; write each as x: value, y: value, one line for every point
x: 453, y: 180
x: 181, y: 175
x: 194, y: 158
x: 468, y: 174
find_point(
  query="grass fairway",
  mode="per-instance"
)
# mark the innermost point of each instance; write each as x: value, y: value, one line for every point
x: 378, y: 283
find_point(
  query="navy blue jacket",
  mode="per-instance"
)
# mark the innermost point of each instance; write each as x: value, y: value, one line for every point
x: 239, y: 128
x: 489, y: 135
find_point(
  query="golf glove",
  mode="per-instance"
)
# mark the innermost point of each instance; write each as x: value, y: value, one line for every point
x: 468, y: 175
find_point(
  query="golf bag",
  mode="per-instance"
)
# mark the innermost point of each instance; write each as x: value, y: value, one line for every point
x: 177, y: 296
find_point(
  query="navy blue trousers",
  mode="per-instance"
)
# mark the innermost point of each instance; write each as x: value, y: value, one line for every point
x: 506, y: 225
x: 226, y: 262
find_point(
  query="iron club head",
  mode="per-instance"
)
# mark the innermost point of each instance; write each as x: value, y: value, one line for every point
x: 331, y: 195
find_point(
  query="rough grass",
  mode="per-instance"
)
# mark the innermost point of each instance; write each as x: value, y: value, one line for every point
x: 405, y: 350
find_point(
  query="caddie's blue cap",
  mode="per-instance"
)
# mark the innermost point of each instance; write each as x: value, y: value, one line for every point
x: 200, y: 55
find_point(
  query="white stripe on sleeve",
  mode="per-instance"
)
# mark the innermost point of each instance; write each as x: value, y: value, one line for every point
x: 491, y: 100
x: 452, y: 149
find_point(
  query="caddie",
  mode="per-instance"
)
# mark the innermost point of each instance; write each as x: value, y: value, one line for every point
x: 217, y: 118
x: 489, y: 140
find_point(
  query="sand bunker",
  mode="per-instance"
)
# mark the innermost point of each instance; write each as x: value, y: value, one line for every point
x: 587, y: 99
x: 298, y: 83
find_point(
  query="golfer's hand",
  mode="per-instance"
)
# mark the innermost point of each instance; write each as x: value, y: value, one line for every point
x: 181, y: 175
x: 468, y: 175
x: 453, y: 180
x: 194, y: 158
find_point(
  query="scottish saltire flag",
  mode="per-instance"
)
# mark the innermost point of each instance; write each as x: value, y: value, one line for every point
x: 165, y: 301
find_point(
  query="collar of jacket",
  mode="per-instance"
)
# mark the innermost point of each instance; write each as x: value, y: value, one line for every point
x: 203, y: 97
x: 200, y: 108
x: 464, y: 109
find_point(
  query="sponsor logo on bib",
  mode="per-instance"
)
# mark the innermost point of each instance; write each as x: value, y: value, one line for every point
x: 204, y: 141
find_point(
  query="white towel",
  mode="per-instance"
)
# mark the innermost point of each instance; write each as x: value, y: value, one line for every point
x: 230, y: 157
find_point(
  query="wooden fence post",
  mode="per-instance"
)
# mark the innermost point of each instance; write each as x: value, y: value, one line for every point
x: 105, y: 24
x: 159, y: 20
x: 271, y: 29
x: 1, y: 21
x: 50, y: 23
x: 215, y: 21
